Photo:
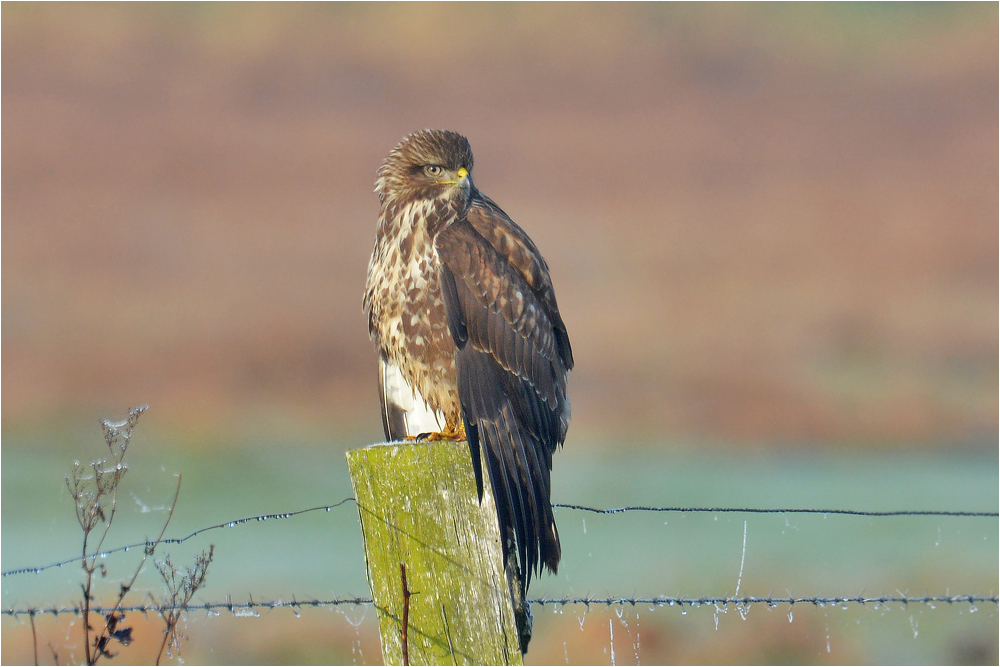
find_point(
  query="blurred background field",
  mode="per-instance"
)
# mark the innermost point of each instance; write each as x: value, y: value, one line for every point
x: 772, y: 232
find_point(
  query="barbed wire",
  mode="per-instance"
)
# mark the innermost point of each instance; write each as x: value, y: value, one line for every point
x: 251, y: 606
x: 770, y: 601
x: 175, y: 540
x: 584, y: 508
x: 752, y: 510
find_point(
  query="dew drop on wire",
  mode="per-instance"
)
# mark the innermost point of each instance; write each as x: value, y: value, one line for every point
x: 245, y: 612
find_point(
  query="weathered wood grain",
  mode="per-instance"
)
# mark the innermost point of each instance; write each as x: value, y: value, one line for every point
x: 418, y: 506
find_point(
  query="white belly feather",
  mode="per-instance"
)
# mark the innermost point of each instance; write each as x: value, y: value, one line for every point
x: 396, y: 392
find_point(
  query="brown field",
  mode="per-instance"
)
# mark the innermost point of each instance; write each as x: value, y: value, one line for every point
x: 764, y: 224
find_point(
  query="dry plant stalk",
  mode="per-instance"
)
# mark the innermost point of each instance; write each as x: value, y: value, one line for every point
x: 406, y: 616
x: 94, y: 488
x: 179, y: 594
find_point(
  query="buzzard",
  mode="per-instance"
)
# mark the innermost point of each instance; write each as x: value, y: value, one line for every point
x: 470, y: 341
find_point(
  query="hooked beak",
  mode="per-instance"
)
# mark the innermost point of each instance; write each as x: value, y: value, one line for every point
x: 460, y: 177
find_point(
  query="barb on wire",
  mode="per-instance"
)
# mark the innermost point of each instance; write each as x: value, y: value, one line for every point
x: 753, y: 510
x: 241, y: 608
x: 175, y: 540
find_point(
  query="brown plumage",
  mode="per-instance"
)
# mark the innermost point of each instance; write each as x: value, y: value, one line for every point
x: 462, y: 311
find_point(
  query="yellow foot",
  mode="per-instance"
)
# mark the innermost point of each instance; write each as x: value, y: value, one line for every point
x: 450, y: 433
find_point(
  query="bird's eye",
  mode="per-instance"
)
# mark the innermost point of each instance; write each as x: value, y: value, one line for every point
x: 433, y: 170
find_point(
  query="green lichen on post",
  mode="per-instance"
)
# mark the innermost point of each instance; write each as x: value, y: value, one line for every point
x: 418, y: 506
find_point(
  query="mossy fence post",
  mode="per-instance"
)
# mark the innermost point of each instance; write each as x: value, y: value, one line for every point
x: 419, y: 508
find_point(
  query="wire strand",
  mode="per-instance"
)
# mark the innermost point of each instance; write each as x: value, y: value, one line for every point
x: 241, y: 608
x: 176, y: 540
x: 583, y: 508
x: 753, y: 510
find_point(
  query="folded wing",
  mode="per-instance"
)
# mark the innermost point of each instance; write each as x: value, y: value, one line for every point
x: 513, y: 358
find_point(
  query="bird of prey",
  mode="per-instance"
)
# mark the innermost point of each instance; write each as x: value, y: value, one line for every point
x: 471, y: 344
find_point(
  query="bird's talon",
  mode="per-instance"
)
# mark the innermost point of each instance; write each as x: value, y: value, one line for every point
x: 449, y: 434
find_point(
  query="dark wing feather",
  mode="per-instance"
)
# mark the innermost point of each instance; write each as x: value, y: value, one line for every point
x: 516, y: 247
x: 513, y: 360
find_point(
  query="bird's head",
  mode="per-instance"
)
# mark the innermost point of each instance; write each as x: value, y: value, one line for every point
x: 429, y: 164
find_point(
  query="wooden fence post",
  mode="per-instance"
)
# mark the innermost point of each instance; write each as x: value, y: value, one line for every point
x: 418, y: 507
